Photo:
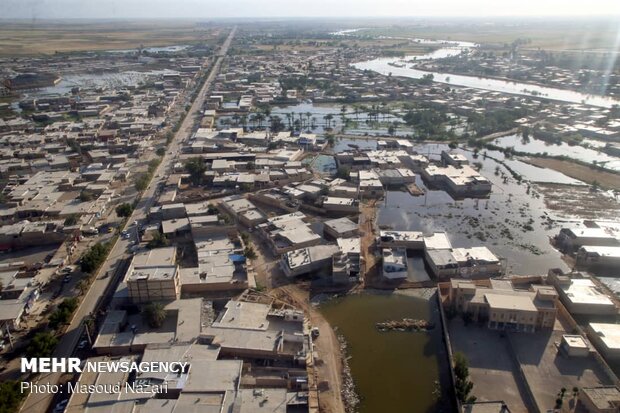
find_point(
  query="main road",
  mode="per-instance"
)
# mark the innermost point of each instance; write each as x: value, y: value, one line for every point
x: 102, y: 286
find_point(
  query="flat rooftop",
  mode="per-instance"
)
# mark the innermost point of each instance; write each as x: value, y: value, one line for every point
x: 607, y: 397
x: 584, y: 291
x: 510, y: 302
x: 157, y: 257
x: 341, y: 225
x: 608, y: 333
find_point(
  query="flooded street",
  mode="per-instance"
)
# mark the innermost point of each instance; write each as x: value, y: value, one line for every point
x: 395, y: 372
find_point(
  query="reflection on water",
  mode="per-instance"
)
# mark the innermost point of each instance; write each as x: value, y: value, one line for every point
x: 397, y: 372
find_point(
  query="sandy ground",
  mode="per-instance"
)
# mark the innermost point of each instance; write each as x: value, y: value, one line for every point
x: 606, y: 180
x: 329, y: 369
x: 367, y: 220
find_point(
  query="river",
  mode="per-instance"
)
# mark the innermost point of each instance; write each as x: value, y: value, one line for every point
x: 386, y: 66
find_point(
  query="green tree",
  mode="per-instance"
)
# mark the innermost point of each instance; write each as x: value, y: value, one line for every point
x: 63, y: 313
x: 42, y: 345
x: 160, y: 151
x: 10, y: 396
x: 124, y: 210
x: 343, y: 172
x: 249, y: 252
x: 196, y: 168
x: 86, y: 195
x: 71, y: 220
x: 142, y: 182
x: 94, y: 257
x: 154, y: 314
x: 463, y: 385
x: 153, y: 164
x: 159, y: 240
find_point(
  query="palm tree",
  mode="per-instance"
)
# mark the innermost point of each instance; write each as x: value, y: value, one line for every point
x: 244, y: 121
x: 236, y: 119
x: 288, y: 119
x: 154, y: 314
x: 260, y: 118
x: 328, y: 118
x: 267, y: 111
x: 252, y: 120
x: 308, y: 116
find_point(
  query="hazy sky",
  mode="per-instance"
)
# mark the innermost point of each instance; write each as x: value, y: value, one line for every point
x: 41, y: 9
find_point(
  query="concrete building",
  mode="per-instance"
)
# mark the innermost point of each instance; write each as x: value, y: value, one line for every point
x: 347, y: 263
x: 571, y: 239
x: 369, y: 184
x: 153, y: 276
x: 221, y: 266
x: 123, y: 333
x: 244, y: 211
x: 288, y: 232
x: 310, y: 260
x: 341, y: 205
x: 501, y: 307
x: 459, y: 182
x: 574, y: 346
x: 580, y: 295
x: 592, y: 256
x: 474, y: 262
x: 453, y: 158
x: 259, y: 331
x: 413, y: 240
x: 606, y: 338
x: 599, y: 399
x: 340, y: 228
x: 394, y: 263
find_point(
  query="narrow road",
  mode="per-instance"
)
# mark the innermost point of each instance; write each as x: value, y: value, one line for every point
x: 39, y: 403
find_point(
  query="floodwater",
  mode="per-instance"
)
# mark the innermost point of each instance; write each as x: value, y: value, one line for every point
x: 397, y: 372
x: 108, y: 80
x: 323, y: 164
x: 346, y: 144
x: 514, y: 222
x: 402, y: 67
x: 536, y: 146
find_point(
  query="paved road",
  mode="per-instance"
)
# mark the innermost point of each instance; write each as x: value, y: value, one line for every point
x: 39, y: 403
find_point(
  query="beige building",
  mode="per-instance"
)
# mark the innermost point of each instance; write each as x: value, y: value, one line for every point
x: 600, y: 399
x: 153, y: 276
x: 502, y: 307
